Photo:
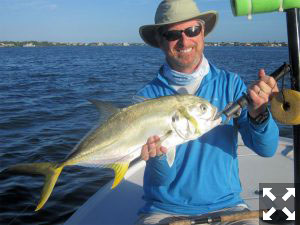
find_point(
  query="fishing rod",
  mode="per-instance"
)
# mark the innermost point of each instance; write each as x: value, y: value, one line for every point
x: 245, y: 100
x: 292, y: 10
x: 217, y: 219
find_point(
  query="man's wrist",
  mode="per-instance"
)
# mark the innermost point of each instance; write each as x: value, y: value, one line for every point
x: 254, y: 113
x: 260, y: 118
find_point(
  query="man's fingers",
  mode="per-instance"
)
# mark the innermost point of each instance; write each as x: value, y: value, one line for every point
x: 152, y: 151
x: 270, y: 81
x: 261, y: 73
x: 261, y: 92
x: 264, y: 87
x: 265, y: 84
x: 267, y: 79
x: 156, y: 138
x: 152, y: 145
x: 273, y: 84
x: 256, y: 97
x: 152, y: 148
x: 145, y: 153
x: 150, y: 140
x: 163, y: 149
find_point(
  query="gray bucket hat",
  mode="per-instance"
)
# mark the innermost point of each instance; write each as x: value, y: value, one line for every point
x: 175, y: 11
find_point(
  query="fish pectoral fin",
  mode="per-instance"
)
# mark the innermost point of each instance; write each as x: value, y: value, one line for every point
x: 171, y: 156
x: 51, y: 171
x: 120, y: 170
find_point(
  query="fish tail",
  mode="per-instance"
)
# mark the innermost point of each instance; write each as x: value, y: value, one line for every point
x: 120, y: 170
x: 51, y: 171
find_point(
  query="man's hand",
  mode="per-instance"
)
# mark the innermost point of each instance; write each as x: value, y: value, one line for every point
x: 261, y: 92
x: 152, y: 148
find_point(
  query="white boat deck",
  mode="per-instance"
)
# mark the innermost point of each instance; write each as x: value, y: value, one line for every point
x: 120, y: 206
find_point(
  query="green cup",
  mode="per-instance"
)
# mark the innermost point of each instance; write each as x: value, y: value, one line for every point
x: 249, y: 7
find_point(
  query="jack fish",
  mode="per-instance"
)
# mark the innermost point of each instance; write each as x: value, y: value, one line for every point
x: 116, y: 142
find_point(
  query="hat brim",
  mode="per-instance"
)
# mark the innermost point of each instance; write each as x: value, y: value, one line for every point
x: 148, y: 32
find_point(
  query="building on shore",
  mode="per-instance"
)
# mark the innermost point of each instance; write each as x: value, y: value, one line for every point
x: 29, y: 45
x: 6, y: 45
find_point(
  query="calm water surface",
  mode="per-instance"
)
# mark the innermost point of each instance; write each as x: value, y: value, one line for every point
x: 44, y: 112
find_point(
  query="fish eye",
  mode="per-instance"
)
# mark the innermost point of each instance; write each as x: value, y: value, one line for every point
x: 203, y: 108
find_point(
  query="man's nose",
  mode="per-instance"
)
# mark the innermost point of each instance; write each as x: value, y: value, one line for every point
x: 183, y: 41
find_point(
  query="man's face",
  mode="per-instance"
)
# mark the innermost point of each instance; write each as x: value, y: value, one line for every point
x: 185, y: 53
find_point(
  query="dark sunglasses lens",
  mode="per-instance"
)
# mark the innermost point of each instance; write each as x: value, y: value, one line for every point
x: 173, y: 35
x: 192, y: 31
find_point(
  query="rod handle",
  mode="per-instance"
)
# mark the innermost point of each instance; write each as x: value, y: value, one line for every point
x: 241, y: 216
x: 281, y: 71
x: 225, y: 218
x: 245, y: 100
x: 181, y: 222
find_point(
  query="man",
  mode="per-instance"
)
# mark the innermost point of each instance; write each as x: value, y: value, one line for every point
x: 204, y: 178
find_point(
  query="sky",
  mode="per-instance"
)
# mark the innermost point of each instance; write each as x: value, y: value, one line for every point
x: 119, y: 21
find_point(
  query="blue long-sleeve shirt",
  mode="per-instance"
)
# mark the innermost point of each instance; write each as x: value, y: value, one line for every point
x: 205, y: 173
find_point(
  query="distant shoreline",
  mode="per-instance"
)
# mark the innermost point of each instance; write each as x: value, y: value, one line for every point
x: 46, y: 44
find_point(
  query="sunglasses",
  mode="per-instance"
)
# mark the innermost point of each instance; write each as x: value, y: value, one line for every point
x: 173, y: 35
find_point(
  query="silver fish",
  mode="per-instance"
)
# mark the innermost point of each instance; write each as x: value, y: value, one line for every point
x: 116, y: 142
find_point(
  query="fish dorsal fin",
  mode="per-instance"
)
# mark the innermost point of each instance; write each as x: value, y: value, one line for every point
x: 138, y: 99
x: 105, y: 109
x: 171, y: 155
x: 120, y: 170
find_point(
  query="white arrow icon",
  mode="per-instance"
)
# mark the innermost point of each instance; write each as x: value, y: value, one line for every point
x: 267, y: 191
x: 290, y: 192
x: 291, y: 216
x: 267, y: 215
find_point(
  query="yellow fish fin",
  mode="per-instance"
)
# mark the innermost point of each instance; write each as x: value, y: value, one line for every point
x: 51, y: 171
x: 120, y: 170
x: 50, y: 180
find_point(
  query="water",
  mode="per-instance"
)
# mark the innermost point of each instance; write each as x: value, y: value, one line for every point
x: 44, y: 112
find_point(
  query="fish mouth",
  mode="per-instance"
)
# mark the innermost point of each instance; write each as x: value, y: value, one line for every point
x: 217, y: 115
x: 216, y: 118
